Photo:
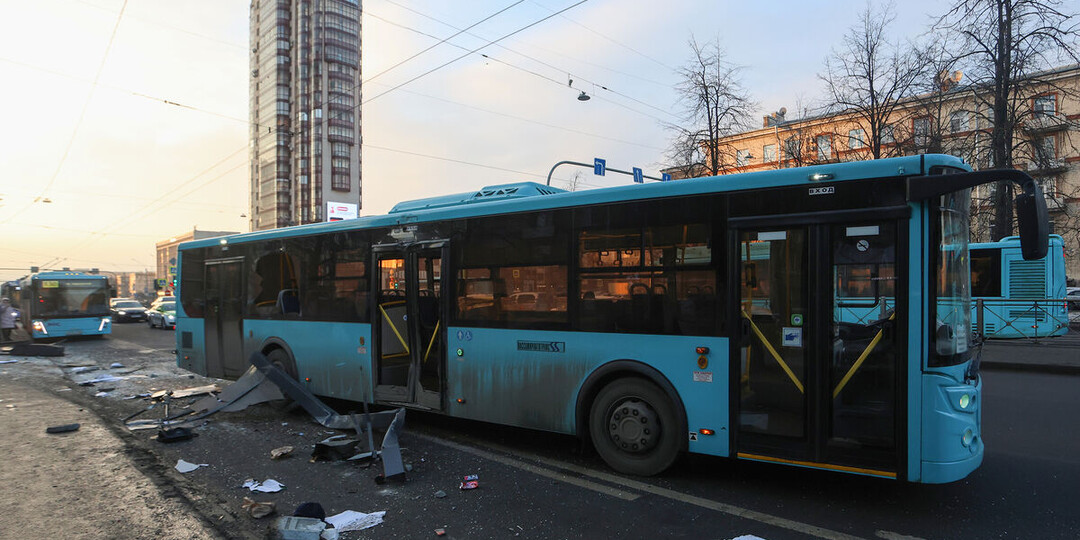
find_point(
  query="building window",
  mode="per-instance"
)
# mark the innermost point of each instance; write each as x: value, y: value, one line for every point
x: 338, y: 131
x: 339, y: 149
x: 824, y: 147
x: 793, y: 148
x: 1046, y: 149
x: 768, y: 153
x: 340, y: 182
x: 1045, y: 105
x: 921, y: 131
x: 959, y: 121
x: 856, y: 139
x: 742, y: 158
x: 888, y: 135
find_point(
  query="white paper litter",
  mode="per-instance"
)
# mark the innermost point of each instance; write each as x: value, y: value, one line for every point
x: 351, y: 520
x: 116, y: 365
x: 101, y: 394
x: 266, y: 486
x: 186, y: 467
x: 8, y: 361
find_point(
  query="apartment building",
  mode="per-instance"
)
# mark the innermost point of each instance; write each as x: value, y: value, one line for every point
x: 305, y: 111
x: 954, y: 121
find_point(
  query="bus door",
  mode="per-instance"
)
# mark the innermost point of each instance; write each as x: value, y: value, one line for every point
x: 223, y: 321
x: 820, y: 350
x: 408, y: 324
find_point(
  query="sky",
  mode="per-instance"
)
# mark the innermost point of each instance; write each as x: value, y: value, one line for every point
x: 126, y: 123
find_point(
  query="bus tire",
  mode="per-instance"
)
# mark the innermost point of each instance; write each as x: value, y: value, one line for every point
x: 281, y: 359
x: 634, y: 427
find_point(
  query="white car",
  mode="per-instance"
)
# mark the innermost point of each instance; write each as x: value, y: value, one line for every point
x: 163, y: 316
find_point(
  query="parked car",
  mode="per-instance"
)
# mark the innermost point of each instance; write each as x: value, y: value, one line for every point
x: 126, y: 310
x: 163, y: 316
x: 1072, y: 297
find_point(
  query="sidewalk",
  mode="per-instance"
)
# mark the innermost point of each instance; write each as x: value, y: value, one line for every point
x: 80, y: 484
x: 1049, y: 355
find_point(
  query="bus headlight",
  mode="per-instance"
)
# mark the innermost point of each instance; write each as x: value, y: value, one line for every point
x: 104, y: 322
x: 965, y: 400
x: 967, y: 437
x: 40, y: 327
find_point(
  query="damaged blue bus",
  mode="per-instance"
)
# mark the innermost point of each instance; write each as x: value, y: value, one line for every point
x: 698, y: 315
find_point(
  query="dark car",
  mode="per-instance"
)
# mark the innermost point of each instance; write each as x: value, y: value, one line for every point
x: 126, y: 310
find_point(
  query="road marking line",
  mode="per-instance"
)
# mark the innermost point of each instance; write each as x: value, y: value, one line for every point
x: 889, y: 535
x: 554, y: 475
x: 725, y: 508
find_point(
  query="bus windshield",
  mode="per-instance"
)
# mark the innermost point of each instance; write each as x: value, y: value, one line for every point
x: 952, y: 336
x: 71, y: 298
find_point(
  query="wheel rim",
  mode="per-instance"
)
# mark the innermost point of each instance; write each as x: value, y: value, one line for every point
x: 634, y: 426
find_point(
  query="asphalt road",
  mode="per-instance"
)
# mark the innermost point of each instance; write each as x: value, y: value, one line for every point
x: 537, y: 485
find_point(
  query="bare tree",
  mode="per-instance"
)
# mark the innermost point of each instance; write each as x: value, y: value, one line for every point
x: 1005, y: 46
x: 715, y: 105
x: 870, y: 75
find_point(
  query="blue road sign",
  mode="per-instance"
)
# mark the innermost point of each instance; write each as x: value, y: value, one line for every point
x: 599, y: 165
x: 665, y: 177
x: 639, y: 177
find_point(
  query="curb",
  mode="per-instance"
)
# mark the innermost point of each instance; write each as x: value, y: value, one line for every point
x: 1060, y: 369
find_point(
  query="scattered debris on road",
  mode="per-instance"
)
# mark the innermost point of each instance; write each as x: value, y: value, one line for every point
x: 60, y: 429
x: 351, y: 520
x: 186, y: 467
x: 266, y: 486
x: 257, y: 509
x: 281, y: 453
x: 471, y: 482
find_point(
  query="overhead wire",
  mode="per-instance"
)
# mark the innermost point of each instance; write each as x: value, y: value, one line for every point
x: 472, y: 51
x: 78, y: 123
x: 537, y: 60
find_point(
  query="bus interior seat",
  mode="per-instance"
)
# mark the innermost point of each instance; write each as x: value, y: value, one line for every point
x: 288, y: 303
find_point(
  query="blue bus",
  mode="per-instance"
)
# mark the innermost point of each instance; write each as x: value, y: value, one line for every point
x: 650, y: 320
x: 60, y: 304
x: 1019, y: 298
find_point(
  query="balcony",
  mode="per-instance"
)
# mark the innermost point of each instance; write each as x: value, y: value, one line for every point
x: 1042, y: 123
x: 1042, y: 167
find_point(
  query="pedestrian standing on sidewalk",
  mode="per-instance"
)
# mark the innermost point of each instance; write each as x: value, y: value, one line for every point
x: 7, y: 319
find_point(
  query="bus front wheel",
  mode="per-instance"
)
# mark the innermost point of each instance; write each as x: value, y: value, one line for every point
x: 634, y: 427
x: 281, y: 359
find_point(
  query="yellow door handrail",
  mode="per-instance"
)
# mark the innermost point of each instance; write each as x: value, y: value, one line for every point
x: 772, y: 351
x: 434, y: 335
x: 394, y: 328
x: 862, y: 358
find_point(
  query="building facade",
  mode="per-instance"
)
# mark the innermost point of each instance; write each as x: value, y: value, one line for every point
x: 953, y: 121
x: 305, y: 110
x: 166, y: 254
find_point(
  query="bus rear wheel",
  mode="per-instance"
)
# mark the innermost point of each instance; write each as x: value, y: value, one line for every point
x: 634, y: 427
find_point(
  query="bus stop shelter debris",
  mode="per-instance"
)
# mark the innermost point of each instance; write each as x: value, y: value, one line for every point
x: 392, y: 421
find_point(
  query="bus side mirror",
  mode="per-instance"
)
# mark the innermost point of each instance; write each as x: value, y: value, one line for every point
x: 1033, y: 221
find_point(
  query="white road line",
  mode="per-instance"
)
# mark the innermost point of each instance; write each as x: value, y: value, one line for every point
x: 725, y: 508
x: 889, y: 535
x: 554, y: 475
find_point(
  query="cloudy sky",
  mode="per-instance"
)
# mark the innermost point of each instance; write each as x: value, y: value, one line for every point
x: 125, y: 123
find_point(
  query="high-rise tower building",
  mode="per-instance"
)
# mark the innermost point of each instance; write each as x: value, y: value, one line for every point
x: 305, y: 110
